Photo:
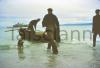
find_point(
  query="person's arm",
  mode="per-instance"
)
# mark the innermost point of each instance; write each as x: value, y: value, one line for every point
x: 57, y: 30
x: 57, y: 23
x: 44, y: 22
x: 28, y: 26
x: 93, y: 24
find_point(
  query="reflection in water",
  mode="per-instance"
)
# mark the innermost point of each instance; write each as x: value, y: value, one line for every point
x: 21, y: 54
x: 52, y: 61
x: 96, y: 59
x: 49, y: 51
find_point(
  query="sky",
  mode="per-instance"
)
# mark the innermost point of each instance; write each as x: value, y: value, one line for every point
x: 65, y: 10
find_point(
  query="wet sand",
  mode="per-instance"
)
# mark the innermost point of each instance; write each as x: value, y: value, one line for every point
x: 35, y: 55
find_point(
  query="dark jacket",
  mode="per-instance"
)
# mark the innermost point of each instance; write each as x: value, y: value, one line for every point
x: 51, y: 21
x: 96, y: 24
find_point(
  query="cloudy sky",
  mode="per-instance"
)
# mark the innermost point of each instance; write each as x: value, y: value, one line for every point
x: 65, y: 10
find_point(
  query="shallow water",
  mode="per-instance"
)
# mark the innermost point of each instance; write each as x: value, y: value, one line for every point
x: 72, y: 53
x: 35, y: 55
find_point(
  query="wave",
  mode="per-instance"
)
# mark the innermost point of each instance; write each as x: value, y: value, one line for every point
x: 2, y: 27
x: 9, y: 47
x: 80, y: 24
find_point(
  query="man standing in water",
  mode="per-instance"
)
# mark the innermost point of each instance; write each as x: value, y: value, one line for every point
x: 51, y: 23
x: 96, y: 26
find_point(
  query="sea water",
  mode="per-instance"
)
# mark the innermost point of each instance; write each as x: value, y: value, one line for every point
x: 68, y: 34
x: 65, y: 33
x: 73, y: 53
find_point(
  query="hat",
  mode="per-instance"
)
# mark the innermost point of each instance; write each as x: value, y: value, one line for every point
x: 49, y: 9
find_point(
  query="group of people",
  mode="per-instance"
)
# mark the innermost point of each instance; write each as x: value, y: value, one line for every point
x: 50, y: 21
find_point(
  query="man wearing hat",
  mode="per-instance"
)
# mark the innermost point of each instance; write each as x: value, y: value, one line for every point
x: 96, y: 26
x: 51, y: 23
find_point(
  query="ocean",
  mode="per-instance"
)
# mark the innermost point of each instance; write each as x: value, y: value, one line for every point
x: 75, y: 49
x: 68, y: 33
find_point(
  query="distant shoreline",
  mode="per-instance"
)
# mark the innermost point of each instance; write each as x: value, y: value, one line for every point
x: 83, y: 24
